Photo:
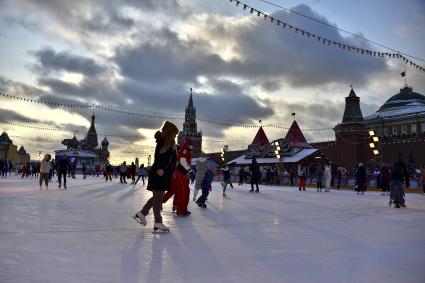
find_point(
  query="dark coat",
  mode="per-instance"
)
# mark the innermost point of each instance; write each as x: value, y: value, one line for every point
x: 255, y: 170
x: 62, y: 165
x: 361, y: 176
x: 165, y: 161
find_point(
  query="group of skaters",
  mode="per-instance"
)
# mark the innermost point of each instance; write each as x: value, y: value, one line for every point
x: 130, y: 172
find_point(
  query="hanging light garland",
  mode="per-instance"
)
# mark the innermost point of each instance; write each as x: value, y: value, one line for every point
x: 150, y: 116
x: 325, y: 41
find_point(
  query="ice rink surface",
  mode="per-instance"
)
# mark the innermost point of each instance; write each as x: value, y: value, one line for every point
x: 86, y: 234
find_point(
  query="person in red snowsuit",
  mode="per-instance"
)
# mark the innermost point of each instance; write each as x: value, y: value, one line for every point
x: 180, y: 180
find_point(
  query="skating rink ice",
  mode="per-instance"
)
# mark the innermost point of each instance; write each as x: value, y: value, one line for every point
x: 86, y: 234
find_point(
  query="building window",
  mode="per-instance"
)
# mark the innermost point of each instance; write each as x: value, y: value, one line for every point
x: 404, y: 129
x: 413, y: 128
x: 385, y: 133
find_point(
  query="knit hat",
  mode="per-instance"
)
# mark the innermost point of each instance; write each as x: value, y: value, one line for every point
x: 169, y: 128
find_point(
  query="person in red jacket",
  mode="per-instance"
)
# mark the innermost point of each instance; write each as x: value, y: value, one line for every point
x: 302, y: 180
x: 180, y: 180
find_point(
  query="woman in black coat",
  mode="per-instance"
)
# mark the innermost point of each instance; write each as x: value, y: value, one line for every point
x: 160, y: 174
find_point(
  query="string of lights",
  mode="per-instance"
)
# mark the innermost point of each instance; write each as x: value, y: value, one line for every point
x: 325, y: 41
x: 142, y: 115
x: 340, y: 29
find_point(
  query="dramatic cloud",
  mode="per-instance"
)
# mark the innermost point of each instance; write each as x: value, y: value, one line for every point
x: 51, y: 61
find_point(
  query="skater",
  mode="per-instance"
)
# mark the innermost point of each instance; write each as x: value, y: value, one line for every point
x: 302, y: 180
x: 207, y: 179
x: 180, y: 180
x: 142, y: 173
x: 5, y: 169
x: 255, y: 175
x: 123, y: 173
x: 361, y: 179
x: 423, y: 179
x: 44, y: 171
x: 160, y: 174
x: 319, y: 180
x: 201, y: 168
x: 327, y: 176
x: 108, y: 172
x: 399, y: 180
x: 62, y: 167
x: 241, y: 176
x: 133, y: 173
x: 226, y: 179
x: 84, y: 171
x: 385, y: 179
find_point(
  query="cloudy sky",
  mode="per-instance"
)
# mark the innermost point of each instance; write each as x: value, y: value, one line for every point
x: 144, y: 55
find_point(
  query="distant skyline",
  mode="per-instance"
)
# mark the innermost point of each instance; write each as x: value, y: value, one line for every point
x: 145, y: 55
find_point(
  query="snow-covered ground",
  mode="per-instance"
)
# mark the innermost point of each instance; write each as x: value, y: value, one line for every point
x: 86, y: 234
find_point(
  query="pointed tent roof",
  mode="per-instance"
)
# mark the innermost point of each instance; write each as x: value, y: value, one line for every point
x: 352, y: 111
x: 105, y: 141
x: 260, y: 137
x: 190, y: 104
x: 295, y: 137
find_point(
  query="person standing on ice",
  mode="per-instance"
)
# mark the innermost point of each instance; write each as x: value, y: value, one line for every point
x: 399, y: 180
x: 207, y: 179
x: 327, y: 176
x: 133, y: 172
x: 319, y: 178
x: 62, y: 167
x: 302, y: 180
x: 45, y: 167
x: 180, y: 180
x: 241, y: 176
x: 123, y: 172
x: 227, y: 180
x: 160, y: 174
x: 142, y: 173
x: 255, y: 175
x: 201, y: 168
x: 361, y: 179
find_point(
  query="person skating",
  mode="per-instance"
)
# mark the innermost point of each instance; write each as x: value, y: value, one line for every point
x: 62, y: 168
x: 45, y: 166
x: 142, y: 173
x: 133, y: 173
x: 226, y: 179
x: 399, y: 180
x: 84, y: 171
x: 180, y: 180
x: 361, y: 179
x: 302, y: 180
x: 319, y: 180
x: 255, y: 175
x: 108, y: 172
x: 123, y: 173
x: 385, y: 179
x: 327, y: 176
x: 241, y: 176
x: 160, y: 174
x: 207, y: 179
x: 201, y: 168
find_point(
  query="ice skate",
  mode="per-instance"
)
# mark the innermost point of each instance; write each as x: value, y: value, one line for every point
x: 362, y: 193
x: 257, y: 191
x: 59, y: 186
x: 390, y: 204
x: 403, y: 205
x: 161, y: 227
x: 224, y: 195
x: 140, y: 218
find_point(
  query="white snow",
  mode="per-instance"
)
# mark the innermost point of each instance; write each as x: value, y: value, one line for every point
x: 399, y: 111
x: 86, y: 234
